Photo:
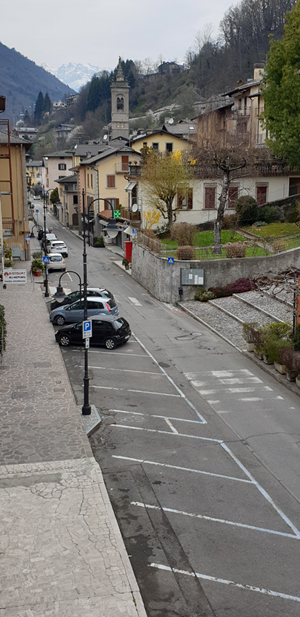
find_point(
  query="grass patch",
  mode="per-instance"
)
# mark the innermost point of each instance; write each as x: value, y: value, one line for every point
x: 206, y: 238
x: 292, y: 243
x: 274, y: 230
x: 206, y: 253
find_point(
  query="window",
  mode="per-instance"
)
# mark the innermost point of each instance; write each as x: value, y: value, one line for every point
x: 120, y: 103
x: 110, y: 182
x: 75, y: 199
x: 169, y: 147
x: 209, y: 197
x: 233, y: 193
x: 88, y: 181
x: 261, y: 195
x: 125, y: 163
x: 185, y: 200
x: 62, y: 166
x: 92, y: 181
x: 155, y: 146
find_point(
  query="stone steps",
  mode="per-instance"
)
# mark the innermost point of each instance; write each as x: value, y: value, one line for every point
x: 226, y: 316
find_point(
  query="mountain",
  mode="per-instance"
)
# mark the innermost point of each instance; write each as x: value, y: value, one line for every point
x: 75, y: 75
x: 22, y: 80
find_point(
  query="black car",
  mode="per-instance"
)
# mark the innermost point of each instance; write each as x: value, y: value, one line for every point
x: 107, y: 330
x: 93, y: 292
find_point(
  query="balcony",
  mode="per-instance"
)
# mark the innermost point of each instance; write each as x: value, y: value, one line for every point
x: 130, y: 216
x: 135, y: 171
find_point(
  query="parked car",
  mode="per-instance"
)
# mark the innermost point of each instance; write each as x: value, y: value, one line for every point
x: 49, y: 237
x: 95, y: 292
x: 56, y: 262
x: 74, y: 313
x: 57, y: 246
x: 107, y: 330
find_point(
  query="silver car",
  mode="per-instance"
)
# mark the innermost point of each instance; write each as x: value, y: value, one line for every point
x: 58, y: 246
x: 74, y: 313
x: 56, y: 262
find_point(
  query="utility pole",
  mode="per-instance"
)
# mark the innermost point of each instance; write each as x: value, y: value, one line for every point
x: 45, y: 249
x: 86, y: 409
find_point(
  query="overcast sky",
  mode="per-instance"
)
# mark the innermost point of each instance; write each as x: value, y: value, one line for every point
x: 56, y: 32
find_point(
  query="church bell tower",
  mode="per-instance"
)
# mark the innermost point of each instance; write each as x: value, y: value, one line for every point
x: 119, y: 105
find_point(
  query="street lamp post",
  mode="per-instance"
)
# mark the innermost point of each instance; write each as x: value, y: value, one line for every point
x: 60, y: 294
x: 112, y: 228
x: 86, y: 408
x: 45, y: 249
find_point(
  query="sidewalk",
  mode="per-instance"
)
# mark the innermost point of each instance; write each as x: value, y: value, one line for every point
x: 62, y: 554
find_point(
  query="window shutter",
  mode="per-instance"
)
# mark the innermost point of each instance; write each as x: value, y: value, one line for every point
x: 210, y: 196
x: 232, y: 196
x: 110, y: 182
x: 261, y: 195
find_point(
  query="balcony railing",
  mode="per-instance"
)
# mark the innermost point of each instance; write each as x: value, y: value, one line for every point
x: 130, y: 216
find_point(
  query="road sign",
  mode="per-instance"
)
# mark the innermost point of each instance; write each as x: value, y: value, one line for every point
x: 46, y: 260
x: 87, y: 343
x: 15, y: 276
x: 87, y: 329
x: 170, y: 260
x: 27, y: 236
x: 37, y: 211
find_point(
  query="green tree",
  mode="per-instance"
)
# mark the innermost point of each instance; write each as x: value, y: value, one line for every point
x: 47, y: 103
x: 281, y: 90
x: 54, y: 197
x: 38, y: 108
x: 162, y: 179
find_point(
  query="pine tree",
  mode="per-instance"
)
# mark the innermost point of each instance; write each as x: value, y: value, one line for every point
x: 47, y: 103
x: 38, y: 109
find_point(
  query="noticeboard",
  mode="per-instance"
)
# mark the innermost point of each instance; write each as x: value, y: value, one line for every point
x: 191, y: 276
x: 15, y: 276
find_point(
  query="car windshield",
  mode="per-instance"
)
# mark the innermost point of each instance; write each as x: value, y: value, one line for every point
x: 120, y: 323
x: 57, y: 244
x: 111, y: 303
x: 55, y: 258
x: 106, y: 293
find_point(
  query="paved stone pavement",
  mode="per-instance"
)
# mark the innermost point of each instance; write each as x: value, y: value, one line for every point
x: 61, y: 551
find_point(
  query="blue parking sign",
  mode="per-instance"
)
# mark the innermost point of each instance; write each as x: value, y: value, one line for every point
x: 86, y: 329
x: 170, y: 260
x: 46, y: 259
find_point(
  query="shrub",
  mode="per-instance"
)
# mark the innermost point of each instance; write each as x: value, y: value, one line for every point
x: 100, y: 241
x: 292, y: 214
x: 240, y: 286
x: 269, y: 214
x: 248, y: 330
x: 184, y: 233
x: 286, y: 357
x: 220, y: 292
x: 37, y: 255
x: 185, y: 253
x: 230, y: 221
x: 278, y: 246
x: 2, y: 329
x: 296, y: 363
x: 247, y: 210
x: 235, y: 250
x: 37, y: 265
x: 259, y: 224
x: 273, y: 345
x: 295, y: 338
x: 204, y: 296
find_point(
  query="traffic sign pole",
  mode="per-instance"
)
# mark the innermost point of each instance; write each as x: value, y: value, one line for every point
x: 171, y: 262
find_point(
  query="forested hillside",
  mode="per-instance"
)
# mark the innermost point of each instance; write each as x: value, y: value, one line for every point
x: 21, y: 80
x: 212, y: 67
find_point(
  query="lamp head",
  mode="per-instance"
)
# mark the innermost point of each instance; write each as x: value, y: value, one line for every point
x: 60, y: 294
x: 112, y: 228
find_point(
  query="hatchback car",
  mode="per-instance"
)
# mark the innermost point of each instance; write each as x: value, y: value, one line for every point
x: 75, y: 313
x: 92, y: 292
x: 56, y: 262
x: 57, y: 246
x: 107, y: 330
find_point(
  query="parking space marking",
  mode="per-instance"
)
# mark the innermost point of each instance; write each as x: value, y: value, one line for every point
x: 134, y: 301
x: 214, y: 520
x: 251, y: 400
x: 115, y: 353
x: 138, y: 391
x: 152, y: 430
x: 139, y: 413
x: 172, y: 382
x: 124, y: 370
x: 223, y: 581
x: 167, y: 465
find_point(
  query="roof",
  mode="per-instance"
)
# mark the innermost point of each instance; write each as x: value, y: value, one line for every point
x: 109, y: 151
x: 162, y: 131
x: 243, y: 87
x: 182, y: 128
x: 65, y: 153
x: 34, y: 164
x: 67, y: 179
x: 14, y: 139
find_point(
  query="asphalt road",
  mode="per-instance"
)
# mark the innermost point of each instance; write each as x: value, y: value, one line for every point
x: 200, y: 454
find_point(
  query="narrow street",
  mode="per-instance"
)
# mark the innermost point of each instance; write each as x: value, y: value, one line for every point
x: 199, y: 449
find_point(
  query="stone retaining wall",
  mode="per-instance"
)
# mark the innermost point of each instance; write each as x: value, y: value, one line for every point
x: 154, y: 272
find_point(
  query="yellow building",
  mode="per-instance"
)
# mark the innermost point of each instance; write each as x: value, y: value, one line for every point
x: 13, y: 210
x: 159, y: 140
x: 34, y: 172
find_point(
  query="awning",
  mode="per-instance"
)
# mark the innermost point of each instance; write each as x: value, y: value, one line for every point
x: 130, y: 186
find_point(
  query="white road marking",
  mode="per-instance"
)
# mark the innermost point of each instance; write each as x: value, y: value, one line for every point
x: 212, y: 402
x: 139, y: 391
x: 172, y: 382
x: 173, y: 429
x: 251, y: 400
x: 235, y: 390
x: 149, y: 415
x: 213, y: 519
x: 240, y: 380
x: 134, y: 301
x: 268, y: 388
x: 115, y: 353
x: 261, y: 490
x: 223, y: 581
x: 125, y: 370
x: 206, y: 392
x: 280, y: 398
x: 198, y: 471
x: 152, y: 430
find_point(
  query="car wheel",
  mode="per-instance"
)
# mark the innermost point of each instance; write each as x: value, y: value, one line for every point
x: 64, y: 340
x: 110, y: 343
x: 59, y: 320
